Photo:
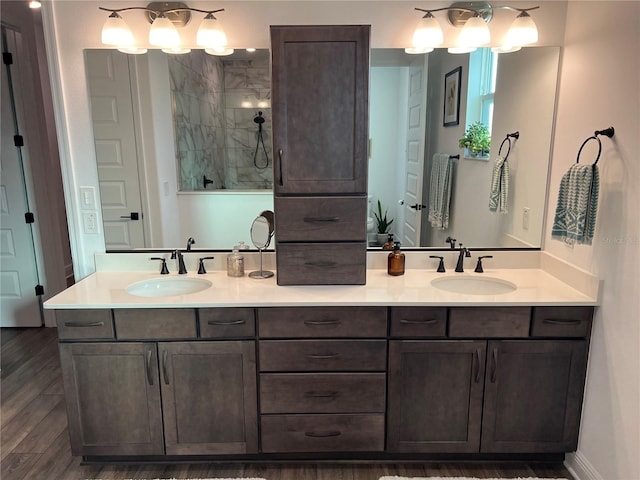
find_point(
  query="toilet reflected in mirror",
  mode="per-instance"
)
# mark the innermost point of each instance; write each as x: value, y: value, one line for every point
x: 261, y: 233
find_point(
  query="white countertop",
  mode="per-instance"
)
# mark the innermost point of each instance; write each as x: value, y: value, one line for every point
x: 107, y: 289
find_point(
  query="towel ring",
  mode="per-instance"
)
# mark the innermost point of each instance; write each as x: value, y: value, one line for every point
x: 507, y: 138
x: 607, y: 132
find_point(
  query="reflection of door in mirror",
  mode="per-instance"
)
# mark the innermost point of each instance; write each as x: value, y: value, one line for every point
x: 222, y: 120
x: 116, y: 150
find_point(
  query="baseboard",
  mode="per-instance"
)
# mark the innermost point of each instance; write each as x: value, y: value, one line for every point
x: 580, y: 467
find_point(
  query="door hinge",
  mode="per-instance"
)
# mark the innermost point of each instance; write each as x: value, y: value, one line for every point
x: 39, y: 290
x: 7, y: 58
x: 29, y: 218
x: 18, y: 140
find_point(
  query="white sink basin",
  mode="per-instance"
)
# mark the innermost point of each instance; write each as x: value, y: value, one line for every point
x: 474, y: 285
x: 169, y: 286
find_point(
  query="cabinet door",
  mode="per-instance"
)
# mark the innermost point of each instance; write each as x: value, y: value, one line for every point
x: 209, y: 397
x: 533, y: 395
x: 320, y: 82
x: 435, y: 396
x: 113, y: 398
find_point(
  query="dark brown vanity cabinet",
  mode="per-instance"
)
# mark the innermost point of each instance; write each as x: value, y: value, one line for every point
x: 517, y: 394
x: 146, y: 397
x: 320, y: 85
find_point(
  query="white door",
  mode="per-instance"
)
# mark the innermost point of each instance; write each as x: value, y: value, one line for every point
x: 415, y: 152
x: 116, y: 149
x: 19, y: 305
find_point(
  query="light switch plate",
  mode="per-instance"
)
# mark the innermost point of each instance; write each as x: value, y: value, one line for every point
x: 87, y: 198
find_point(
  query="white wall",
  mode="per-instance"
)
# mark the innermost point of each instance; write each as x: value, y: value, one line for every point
x: 600, y: 87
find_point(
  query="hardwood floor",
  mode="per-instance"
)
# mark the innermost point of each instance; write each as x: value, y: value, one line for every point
x: 34, y: 443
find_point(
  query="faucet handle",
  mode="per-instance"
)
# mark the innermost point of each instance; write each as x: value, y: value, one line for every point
x: 452, y: 242
x: 163, y: 270
x: 201, y: 269
x: 440, y: 265
x: 479, y: 264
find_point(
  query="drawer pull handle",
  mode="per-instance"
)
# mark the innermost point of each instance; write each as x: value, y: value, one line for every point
x: 231, y: 322
x: 81, y: 324
x: 321, y: 219
x: 561, y: 321
x: 316, y: 323
x: 165, y: 372
x: 280, y: 154
x: 148, y: 366
x: 494, y: 364
x: 321, y: 394
x: 324, y: 356
x: 321, y: 264
x: 476, y: 359
x: 334, y: 433
x: 429, y: 321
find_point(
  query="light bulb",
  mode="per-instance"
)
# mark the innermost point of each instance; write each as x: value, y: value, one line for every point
x: 459, y: 50
x: 210, y: 33
x: 428, y: 33
x: 475, y: 33
x: 133, y: 50
x: 506, y: 49
x: 163, y: 33
x: 35, y: 4
x: 417, y: 50
x: 220, y: 51
x: 116, y: 32
x: 176, y: 50
x: 523, y: 31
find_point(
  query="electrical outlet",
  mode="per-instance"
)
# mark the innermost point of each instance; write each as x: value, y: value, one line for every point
x: 90, y: 223
x: 525, y: 218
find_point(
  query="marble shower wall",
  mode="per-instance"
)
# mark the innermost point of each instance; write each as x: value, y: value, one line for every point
x: 215, y: 102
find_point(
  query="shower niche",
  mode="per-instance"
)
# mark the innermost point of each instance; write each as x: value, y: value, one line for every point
x: 222, y: 120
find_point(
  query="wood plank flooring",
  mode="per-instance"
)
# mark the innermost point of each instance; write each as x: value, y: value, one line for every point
x: 34, y: 443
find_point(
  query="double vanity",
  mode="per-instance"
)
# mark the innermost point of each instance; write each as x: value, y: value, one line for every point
x: 427, y: 365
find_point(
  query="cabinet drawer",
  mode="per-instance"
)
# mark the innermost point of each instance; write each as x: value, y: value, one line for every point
x: 154, y: 324
x: 489, y: 322
x: 84, y: 324
x: 322, y: 355
x: 226, y: 322
x: 418, y: 321
x: 322, y: 322
x: 322, y: 433
x: 322, y: 392
x: 317, y: 219
x: 561, y: 321
x: 321, y: 263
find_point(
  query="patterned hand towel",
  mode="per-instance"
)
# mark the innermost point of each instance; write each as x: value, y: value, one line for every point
x: 440, y: 191
x: 575, y: 220
x: 499, y: 193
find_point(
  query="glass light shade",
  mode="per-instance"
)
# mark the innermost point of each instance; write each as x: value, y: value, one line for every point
x: 176, y: 50
x: 163, y: 33
x: 35, y: 4
x: 428, y: 33
x: 506, y: 49
x: 474, y: 33
x: 220, y: 51
x: 133, y: 50
x: 417, y: 50
x: 523, y: 31
x: 210, y: 34
x: 459, y: 50
x: 116, y: 32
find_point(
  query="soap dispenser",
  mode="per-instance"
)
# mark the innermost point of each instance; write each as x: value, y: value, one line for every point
x: 389, y: 243
x: 395, y: 262
x: 235, y: 263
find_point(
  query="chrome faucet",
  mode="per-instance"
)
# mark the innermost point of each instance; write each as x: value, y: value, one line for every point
x: 177, y: 254
x: 464, y: 252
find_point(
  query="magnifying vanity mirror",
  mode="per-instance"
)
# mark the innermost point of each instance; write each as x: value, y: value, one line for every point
x: 183, y: 119
x: 261, y: 233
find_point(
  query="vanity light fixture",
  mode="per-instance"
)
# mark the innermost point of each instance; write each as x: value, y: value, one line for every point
x: 473, y: 17
x: 164, y: 18
x: 35, y: 4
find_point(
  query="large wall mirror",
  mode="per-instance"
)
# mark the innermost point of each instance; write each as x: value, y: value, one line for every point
x: 183, y: 145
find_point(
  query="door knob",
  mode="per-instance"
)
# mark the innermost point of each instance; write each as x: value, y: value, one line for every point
x: 417, y: 206
x: 133, y: 216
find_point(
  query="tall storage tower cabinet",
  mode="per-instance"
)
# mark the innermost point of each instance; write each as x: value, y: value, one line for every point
x: 320, y: 89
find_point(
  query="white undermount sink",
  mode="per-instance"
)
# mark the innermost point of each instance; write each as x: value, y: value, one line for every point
x: 169, y: 286
x: 474, y: 285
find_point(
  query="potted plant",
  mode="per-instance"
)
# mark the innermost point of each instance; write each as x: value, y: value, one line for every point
x: 476, y: 140
x: 382, y: 224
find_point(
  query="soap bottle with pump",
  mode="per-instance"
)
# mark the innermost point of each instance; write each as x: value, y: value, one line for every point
x: 395, y: 261
x: 235, y: 263
x: 389, y: 243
